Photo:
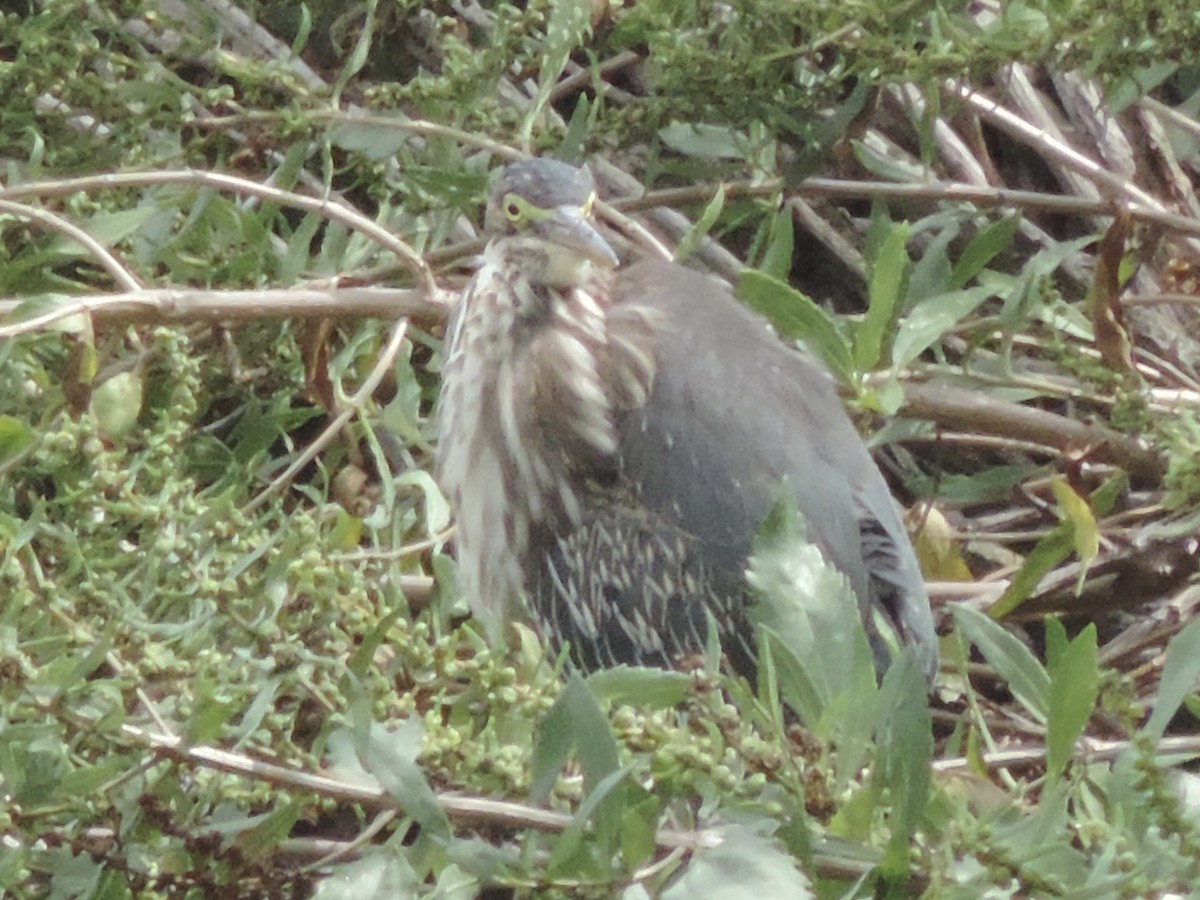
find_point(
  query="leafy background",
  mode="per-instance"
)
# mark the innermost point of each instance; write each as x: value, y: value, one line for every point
x: 232, y: 659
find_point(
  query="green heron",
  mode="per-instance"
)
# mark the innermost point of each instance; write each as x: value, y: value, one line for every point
x: 612, y: 439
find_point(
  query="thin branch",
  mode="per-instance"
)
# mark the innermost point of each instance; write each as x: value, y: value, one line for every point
x: 460, y: 807
x: 971, y: 411
x: 192, y: 305
x: 418, y: 127
x: 943, y: 191
x: 50, y: 220
x: 1118, y: 188
x: 382, y: 366
x: 329, y: 207
x: 1161, y: 299
x: 1087, y: 750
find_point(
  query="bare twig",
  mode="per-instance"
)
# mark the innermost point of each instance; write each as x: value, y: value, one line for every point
x: 1087, y: 750
x: 193, y: 305
x: 460, y: 807
x: 355, y: 403
x: 111, y: 264
x: 972, y: 411
x: 328, y: 207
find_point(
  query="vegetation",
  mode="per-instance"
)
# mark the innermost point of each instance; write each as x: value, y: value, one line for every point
x: 232, y: 658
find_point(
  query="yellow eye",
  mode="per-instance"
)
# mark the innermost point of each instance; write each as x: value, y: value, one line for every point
x: 513, y: 209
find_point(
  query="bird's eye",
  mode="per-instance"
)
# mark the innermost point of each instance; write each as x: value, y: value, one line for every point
x: 512, y: 209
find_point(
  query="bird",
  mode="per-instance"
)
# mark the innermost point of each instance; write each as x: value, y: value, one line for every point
x: 612, y: 438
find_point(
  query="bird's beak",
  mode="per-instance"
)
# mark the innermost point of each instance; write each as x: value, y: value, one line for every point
x: 570, y: 227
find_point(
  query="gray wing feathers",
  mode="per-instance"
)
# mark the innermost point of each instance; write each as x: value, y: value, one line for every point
x: 682, y: 451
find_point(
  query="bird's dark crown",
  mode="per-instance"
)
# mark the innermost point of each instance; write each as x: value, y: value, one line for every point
x: 537, y: 186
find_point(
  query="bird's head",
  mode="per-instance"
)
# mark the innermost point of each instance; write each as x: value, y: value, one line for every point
x: 542, y: 209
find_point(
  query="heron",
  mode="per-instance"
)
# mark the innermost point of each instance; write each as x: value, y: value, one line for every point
x: 612, y: 438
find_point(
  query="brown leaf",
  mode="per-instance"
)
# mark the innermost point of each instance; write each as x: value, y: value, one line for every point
x: 80, y: 374
x: 1104, y: 301
x: 314, y: 348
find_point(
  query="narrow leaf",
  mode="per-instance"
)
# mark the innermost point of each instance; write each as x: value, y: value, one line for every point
x: 1180, y: 677
x: 1049, y: 552
x: 574, y: 721
x: 983, y: 248
x: 391, y: 757
x: 570, y: 842
x: 568, y: 23
x: 646, y: 688
x: 931, y: 319
x: 1085, y: 533
x: 1011, y: 659
x: 777, y: 259
x: 708, y: 218
x: 1074, y: 686
x: 798, y: 317
x: 905, y: 739
x: 887, y: 281
x: 704, y: 141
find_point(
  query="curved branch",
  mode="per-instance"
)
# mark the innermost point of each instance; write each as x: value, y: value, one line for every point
x: 967, y: 410
x: 55, y: 222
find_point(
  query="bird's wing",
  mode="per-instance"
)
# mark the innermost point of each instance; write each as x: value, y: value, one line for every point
x: 735, y: 421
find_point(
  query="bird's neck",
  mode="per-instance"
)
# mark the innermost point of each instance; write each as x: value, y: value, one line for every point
x: 545, y: 264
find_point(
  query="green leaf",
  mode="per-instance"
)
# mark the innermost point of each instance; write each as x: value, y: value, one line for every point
x: 704, y: 224
x: 34, y: 305
x: 1074, y: 686
x: 390, y: 756
x: 574, y: 721
x: 263, y: 839
x: 1077, y: 514
x: 886, y: 283
x: 383, y: 873
x: 777, y: 259
x: 455, y: 884
x: 905, y: 739
x: 569, y: 22
x: 639, y: 824
x: 15, y: 438
x: 1025, y: 292
x: 797, y: 317
x: 295, y: 260
x: 989, y: 486
x: 930, y: 276
x: 83, y: 780
x: 1180, y: 677
x: 116, y: 404
x: 211, y: 709
x: 375, y: 140
x: 983, y: 248
x: 346, y: 532
x: 744, y: 866
x: 1012, y: 660
x: 641, y: 687
x: 931, y: 319
x: 822, y: 658
x: 551, y: 748
x: 573, y: 147
x: 359, y: 55
x: 570, y: 843
x: 704, y: 141
x: 1043, y: 558
x: 108, y: 228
